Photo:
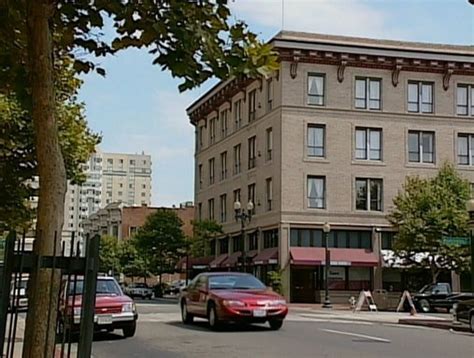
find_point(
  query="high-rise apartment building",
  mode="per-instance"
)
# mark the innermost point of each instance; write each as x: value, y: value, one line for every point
x: 330, y: 137
x: 110, y: 177
x: 126, y: 178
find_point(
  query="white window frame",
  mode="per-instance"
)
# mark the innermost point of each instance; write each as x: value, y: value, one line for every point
x: 224, y: 165
x: 315, y: 126
x: 237, y: 159
x: 318, y: 96
x: 368, y: 143
x: 252, y: 152
x: 421, y: 150
x: 309, y: 198
x: 368, y: 199
x: 470, y: 149
x: 212, y: 172
x: 269, y: 144
x: 368, y: 94
x: 238, y: 114
x: 223, y: 208
x: 252, y: 105
x: 269, y: 193
x: 420, y: 102
x: 224, y: 124
x: 470, y: 100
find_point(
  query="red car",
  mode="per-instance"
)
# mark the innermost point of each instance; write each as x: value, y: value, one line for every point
x: 231, y: 297
x: 113, y: 309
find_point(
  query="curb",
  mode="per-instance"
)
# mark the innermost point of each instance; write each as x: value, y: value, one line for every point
x: 440, y: 324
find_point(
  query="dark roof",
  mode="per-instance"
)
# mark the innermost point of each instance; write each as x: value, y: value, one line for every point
x: 369, y: 42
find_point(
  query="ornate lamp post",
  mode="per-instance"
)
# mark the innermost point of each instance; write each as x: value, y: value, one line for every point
x: 243, y: 216
x: 470, y: 210
x: 326, y: 230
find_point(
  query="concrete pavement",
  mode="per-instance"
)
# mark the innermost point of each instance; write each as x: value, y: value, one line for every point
x: 305, y: 334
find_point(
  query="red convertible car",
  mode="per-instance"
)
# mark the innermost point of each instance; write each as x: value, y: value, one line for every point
x: 231, y: 297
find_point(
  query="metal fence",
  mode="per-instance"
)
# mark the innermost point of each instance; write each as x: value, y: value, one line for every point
x: 78, y: 276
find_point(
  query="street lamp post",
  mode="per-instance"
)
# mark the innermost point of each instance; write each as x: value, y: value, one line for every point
x: 243, y: 216
x: 470, y: 210
x: 326, y: 230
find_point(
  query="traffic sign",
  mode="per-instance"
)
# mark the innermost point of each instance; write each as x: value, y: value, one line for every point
x: 456, y: 240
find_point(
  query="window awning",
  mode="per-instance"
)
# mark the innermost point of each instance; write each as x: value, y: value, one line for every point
x: 316, y: 256
x: 267, y: 257
x: 217, y: 262
x: 233, y: 259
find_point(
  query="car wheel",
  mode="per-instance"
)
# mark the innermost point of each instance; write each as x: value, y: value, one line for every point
x: 186, y: 317
x: 472, y: 323
x: 130, y: 330
x: 424, y: 306
x: 212, y: 317
x: 275, y: 324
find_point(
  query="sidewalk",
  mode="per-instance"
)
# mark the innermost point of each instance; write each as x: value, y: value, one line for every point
x: 343, y: 312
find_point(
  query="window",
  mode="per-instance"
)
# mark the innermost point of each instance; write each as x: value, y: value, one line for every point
x: 201, y: 136
x: 224, y: 123
x: 237, y: 244
x: 224, y: 245
x: 316, y: 192
x: 270, y: 238
x: 420, y: 97
x: 269, y: 94
x: 223, y: 165
x: 316, y: 140
x: 212, y: 130
x: 367, y: 93
x: 223, y: 208
x: 369, y: 194
x: 144, y: 186
x: 421, y: 147
x: 253, y: 241
x: 143, y: 194
x: 368, y: 144
x: 200, y: 176
x: 252, y: 106
x: 388, y: 238
x: 269, y: 144
x: 120, y: 193
x: 132, y: 161
x: 210, y: 206
x: 237, y: 195
x: 199, y: 211
x: 130, y: 186
x: 110, y: 161
x: 465, y: 100
x: 120, y: 185
x: 211, y: 171
x: 269, y: 193
x: 251, y: 196
x: 316, y: 89
x: 238, y: 114
x: 237, y: 166
x: 252, y: 152
x: 466, y: 149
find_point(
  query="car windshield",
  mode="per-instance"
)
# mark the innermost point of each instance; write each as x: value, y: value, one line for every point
x: 235, y: 282
x: 104, y: 287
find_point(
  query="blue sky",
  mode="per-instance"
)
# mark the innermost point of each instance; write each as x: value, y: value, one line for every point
x: 138, y: 107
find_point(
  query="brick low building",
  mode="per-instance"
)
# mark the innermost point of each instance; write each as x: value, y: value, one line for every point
x: 330, y: 137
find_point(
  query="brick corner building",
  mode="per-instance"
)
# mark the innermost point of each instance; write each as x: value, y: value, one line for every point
x: 329, y: 137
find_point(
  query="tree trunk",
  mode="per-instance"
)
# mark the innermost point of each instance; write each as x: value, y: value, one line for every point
x: 434, y: 271
x: 44, y: 284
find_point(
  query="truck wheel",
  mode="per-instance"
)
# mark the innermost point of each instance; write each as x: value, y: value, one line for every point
x: 424, y: 306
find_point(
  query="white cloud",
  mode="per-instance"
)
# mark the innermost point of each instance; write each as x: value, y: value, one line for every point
x: 341, y: 17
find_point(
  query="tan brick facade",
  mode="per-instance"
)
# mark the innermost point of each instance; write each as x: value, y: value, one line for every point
x: 302, y: 54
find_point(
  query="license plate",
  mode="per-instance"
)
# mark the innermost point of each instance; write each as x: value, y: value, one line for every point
x: 259, y: 313
x: 104, y: 319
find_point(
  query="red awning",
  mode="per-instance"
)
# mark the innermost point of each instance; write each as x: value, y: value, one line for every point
x: 315, y: 256
x: 233, y: 259
x: 217, y: 262
x: 267, y: 256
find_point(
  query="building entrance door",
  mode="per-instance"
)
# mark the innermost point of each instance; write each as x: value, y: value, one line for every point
x: 303, y: 285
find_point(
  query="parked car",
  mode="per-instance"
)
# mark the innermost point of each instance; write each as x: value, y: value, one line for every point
x: 177, y: 286
x: 113, y: 309
x: 225, y: 297
x: 18, y: 296
x: 139, y: 290
x: 464, y: 312
x: 438, y: 295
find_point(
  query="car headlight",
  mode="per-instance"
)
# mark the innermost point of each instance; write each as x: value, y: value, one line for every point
x: 77, y: 311
x: 128, y: 307
x: 233, y: 303
x: 277, y: 303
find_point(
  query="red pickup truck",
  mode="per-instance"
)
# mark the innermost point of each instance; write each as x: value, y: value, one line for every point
x: 113, y: 309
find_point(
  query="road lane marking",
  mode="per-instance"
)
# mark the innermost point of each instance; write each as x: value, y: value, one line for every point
x: 377, y: 339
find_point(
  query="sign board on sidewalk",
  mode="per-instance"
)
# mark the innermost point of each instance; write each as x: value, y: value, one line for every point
x: 365, y: 297
x: 406, y: 296
x: 456, y: 240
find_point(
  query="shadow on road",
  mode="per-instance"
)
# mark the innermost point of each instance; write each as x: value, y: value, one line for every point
x: 107, y: 336
x: 228, y: 328
x: 154, y: 301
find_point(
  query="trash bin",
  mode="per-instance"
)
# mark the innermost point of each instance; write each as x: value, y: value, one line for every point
x: 381, y: 299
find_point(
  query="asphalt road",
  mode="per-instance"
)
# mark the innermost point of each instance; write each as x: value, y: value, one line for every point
x: 161, y: 334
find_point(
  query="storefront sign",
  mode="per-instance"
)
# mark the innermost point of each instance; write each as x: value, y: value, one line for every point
x: 337, y: 273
